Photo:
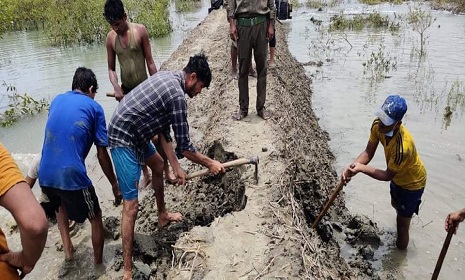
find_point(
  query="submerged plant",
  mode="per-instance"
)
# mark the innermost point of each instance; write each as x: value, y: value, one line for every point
x: 375, y: 2
x: 456, y: 97
x: 358, y: 22
x: 318, y: 4
x: 379, y: 64
x: 19, y: 106
x: 420, y: 20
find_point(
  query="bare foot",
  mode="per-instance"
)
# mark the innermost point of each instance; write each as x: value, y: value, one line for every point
x: 170, y: 178
x: 66, y: 267
x: 127, y: 275
x: 165, y: 218
x: 272, y: 64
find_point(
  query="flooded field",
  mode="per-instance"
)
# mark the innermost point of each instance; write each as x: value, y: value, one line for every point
x: 359, y: 68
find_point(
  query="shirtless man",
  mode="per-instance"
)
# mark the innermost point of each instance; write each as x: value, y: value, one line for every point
x: 130, y: 43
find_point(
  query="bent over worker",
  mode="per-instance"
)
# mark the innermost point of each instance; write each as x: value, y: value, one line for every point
x: 75, y: 123
x: 153, y: 108
x: 405, y: 170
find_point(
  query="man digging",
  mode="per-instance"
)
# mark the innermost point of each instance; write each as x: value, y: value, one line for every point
x: 150, y: 109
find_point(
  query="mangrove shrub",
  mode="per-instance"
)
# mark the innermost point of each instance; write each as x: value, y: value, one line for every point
x: 69, y: 22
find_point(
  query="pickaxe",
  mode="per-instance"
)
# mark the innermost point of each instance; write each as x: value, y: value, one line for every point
x: 330, y: 201
x: 442, y: 255
x: 237, y: 162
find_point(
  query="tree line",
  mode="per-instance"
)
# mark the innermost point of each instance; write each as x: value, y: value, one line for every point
x: 70, y: 22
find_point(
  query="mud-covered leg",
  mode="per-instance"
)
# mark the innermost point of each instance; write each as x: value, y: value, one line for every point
x: 403, y: 226
x: 155, y: 162
x: 130, y: 208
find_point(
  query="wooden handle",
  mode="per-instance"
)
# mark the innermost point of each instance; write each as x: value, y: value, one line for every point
x: 110, y: 94
x: 232, y: 163
x: 442, y: 255
x: 328, y: 204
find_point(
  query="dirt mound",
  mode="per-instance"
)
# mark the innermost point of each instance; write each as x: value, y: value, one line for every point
x: 233, y: 227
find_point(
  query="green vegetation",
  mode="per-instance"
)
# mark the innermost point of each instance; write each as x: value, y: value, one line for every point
x: 379, y: 64
x: 68, y: 22
x: 153, y: 14
x: 358, y: 22
x: 456, y: 6
x: 20, y: 106
x: 319, y: 4
x: 295, y: 3
x: 82, y: 23
x: 331, y: 3
x: 456, y: 97
x: 186, y: 5
x: 375, y: 2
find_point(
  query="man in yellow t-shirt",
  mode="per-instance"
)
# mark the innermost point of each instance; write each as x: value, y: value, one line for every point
x: 404, y: 169
x: 17, y: 198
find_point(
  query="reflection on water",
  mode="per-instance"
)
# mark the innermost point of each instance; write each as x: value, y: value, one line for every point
x: 345, y: 96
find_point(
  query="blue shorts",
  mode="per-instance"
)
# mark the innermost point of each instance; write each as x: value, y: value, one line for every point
x: 406, y: 202
x: 128, y: 169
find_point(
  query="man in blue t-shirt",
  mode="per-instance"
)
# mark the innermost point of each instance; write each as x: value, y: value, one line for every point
x: 76, y: 122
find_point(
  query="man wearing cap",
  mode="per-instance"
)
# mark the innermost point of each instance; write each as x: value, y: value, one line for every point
x: 405, y: 170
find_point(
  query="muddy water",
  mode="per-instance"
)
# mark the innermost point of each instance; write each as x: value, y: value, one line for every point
x: 345, y: 99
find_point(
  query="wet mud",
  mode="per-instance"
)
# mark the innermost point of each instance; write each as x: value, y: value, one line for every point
x: 201, y: 202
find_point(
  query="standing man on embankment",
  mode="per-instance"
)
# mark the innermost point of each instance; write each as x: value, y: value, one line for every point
x: 151, y: 109
x: 251, y: 25
x: 130, y: 43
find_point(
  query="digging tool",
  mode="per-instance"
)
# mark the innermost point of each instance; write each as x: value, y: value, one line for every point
x: 330, y: 201
x: 442, y: 255
x: 237, y: 162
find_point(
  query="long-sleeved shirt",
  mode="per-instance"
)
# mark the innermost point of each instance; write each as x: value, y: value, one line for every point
x: 150, y: 109
x: 236, y: 8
